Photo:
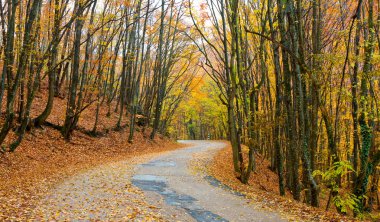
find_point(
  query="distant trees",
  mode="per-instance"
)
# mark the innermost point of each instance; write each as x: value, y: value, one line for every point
x: 202, y: 115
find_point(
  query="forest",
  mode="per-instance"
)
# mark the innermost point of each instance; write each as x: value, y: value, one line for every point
x: 295, y: 82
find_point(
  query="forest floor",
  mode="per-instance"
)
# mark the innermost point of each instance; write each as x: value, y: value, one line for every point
x: 263, y: 191
x: 44, y: 159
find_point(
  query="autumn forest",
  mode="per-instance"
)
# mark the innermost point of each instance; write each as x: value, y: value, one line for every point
x: 291, y: 84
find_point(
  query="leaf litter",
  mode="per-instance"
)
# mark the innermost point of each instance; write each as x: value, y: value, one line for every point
x: 262, y: 190
x: 45, y: 160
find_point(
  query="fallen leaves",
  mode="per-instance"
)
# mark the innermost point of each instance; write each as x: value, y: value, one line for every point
x: 222, y: 169
x: 102, y: 193
x: 44, y: 159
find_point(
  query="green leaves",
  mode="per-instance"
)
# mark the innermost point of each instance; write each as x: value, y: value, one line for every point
x: 331, y: 177
x: 337, y: 170
x: 347, y: 202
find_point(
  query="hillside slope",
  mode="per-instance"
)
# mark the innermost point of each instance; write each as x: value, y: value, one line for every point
x: 45, y: 158
x: 263, y: 190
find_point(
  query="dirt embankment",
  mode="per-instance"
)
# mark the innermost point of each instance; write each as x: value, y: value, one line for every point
x: 263, y: 190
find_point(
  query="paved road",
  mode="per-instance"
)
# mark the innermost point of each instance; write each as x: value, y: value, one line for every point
x: 104, y: 193
x: 194, y: 197
x: 168, y: 191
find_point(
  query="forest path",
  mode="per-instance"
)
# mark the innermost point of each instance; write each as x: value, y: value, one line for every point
x: 170, y: 181
x: 171, y: 191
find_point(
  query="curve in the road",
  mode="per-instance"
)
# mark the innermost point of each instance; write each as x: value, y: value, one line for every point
x: 203, y: 199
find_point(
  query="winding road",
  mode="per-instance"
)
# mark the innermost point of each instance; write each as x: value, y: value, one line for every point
x: 170, y: 188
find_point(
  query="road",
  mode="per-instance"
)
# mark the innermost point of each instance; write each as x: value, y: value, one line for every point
x: 201, y: 198
x: 162, y: 188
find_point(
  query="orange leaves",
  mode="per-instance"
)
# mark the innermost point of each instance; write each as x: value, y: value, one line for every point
x: 126, y: 3
x: 45, y: 158
x: 262, y: 190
